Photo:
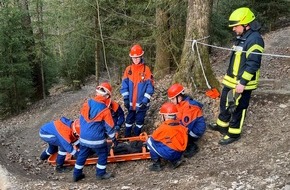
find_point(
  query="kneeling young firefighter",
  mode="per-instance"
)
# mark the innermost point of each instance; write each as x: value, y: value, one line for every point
x: 169, y: 140
x: 61, y: 135
x: 190, y: 115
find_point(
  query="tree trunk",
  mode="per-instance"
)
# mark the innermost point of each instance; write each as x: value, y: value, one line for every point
x: 197, y: 27
x: 30, y: 49
x: 40, y: 43
x: 162, y: 63
x: 97, y: 73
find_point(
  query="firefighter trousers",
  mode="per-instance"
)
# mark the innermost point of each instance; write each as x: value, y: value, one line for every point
x: 233, y: 121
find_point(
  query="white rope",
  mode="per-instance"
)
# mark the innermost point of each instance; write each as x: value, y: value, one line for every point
x: 194, y: 42
x: 232, y: 49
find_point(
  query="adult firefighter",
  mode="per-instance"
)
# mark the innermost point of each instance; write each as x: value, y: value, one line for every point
x: 190, y: 115
x: 137, y: 90
x: 96, y: 124
x: 169, y: 140
x: 61, y: 135
x: 242, y: 75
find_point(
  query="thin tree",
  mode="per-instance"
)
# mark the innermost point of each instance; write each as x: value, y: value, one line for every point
x: 162, y: 63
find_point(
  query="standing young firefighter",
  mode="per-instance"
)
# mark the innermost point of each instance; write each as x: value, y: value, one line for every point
x: 96, y: 124
x: 242, y: 75
x: 137, y: 89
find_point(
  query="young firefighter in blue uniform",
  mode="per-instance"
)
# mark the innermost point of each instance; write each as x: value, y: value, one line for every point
x: 96, y: 124
x: 169, y: 140
x: 137, y: 89
x: 116, y: 110
x: 190, y: 115
x: 61, y: 138
x: 242, y: 75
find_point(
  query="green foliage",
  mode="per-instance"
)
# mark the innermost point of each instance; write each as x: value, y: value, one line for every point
x: 15, y: 72
x: 125, y: 24
x: 268, y: 12
x: 71, y: 32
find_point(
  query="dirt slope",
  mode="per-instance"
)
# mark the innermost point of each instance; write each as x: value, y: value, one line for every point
x: 260, y: 160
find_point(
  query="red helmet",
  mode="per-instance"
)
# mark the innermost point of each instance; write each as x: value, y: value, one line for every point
x: 76, y: 128
x: 175, y: 90
x: 136, y: 51
x: 104, y: 88
x: 168, y: 108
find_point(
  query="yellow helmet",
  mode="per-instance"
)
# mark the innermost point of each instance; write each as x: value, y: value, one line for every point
x: 241, y: 16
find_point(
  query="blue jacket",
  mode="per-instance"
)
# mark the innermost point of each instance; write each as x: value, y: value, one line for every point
x: 137, y: 85
x: 117, y: 114
x: 95, y: 123
x: 244, y: 67
x: 59, y: 133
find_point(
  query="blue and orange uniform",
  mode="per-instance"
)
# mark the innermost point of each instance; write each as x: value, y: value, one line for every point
x: 59, y: 136
x: 96, y: 123
x: 117, y: 114
x: 168, y: 141
x: 191, y: 116
x: 137, y: 89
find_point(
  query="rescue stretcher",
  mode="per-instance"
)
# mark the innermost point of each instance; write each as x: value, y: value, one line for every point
x: 141, y: 153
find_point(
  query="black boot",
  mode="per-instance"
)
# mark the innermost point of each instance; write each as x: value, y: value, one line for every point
x: 105, y: 176
x: 228, y: 140
x: 77, y: 178
x: 156, y: 166
x: 176, y: 164
x: 62, y: 169
x: 191, y: 150
x: 215, y: 127
x: 44, y: 156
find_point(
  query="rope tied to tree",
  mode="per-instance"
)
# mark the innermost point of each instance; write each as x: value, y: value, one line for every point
x: 194, y: 43
x: 212, y: 92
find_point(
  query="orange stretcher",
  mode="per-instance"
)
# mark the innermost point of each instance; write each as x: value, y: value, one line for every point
x: 112, y: 157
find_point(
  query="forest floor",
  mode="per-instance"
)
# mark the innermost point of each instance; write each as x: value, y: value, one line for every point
x: 259, y: 160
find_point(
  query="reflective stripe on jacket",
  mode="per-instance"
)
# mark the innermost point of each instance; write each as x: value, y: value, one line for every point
x: 137, y: 85
x: 61, y: 130
x: 95, y: 122
x: 244, y: 68
x: 171, y: 134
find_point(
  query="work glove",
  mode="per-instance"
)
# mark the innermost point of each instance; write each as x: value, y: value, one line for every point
x: 233, y: 101
x: 75, y: 156
x: 127, y: 103
x: 143, y: 106
x: 115, y: 142
x: 117, y: 128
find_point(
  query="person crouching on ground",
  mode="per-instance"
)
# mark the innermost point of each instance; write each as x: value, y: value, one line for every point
x: 96, y: 124
x: 190, y: 115
x: 169, y: 140
x: 61, y: 138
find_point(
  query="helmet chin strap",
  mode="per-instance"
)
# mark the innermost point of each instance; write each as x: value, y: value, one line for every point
x: 163, y: 117
x: 245, y: 28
